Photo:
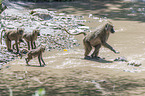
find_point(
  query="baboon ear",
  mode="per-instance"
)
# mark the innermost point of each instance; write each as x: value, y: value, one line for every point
x: 107, y: 27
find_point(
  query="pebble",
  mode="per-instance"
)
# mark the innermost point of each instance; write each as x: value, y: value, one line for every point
x: 136, y: 64
x: 122, y: 59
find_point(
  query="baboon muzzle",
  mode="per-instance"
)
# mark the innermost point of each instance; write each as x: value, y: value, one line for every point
x: 112, y: 30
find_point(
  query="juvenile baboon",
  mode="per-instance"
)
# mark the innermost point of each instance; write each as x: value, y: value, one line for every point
x: 13, y: 35
x: 34, y: 53
x: 96, y: 39
x: 31, y: 37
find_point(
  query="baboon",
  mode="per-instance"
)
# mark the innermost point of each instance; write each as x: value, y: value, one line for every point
x: 96, y: 39
x: 13, y: 35
x: 34, y: 53
x: 31, y: 37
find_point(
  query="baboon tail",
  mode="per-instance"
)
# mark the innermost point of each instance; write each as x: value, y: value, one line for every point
x: 2, y: 35
x: 73, y: 34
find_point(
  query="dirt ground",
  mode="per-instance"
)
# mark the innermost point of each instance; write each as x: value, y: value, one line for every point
x: 68, y: 74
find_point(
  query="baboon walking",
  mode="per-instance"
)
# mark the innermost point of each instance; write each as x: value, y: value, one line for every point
x: 13, y: 35
x: 34, y: 53
x: 31, y: 37
x: 96, y: 39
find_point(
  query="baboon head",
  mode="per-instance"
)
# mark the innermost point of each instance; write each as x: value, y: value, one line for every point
x: 36, y: 31
x: 109, y: 27
x: 42, y: 48
x: 20, y: 31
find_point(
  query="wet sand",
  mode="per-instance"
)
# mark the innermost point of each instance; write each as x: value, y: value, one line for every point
x: 68, y: 74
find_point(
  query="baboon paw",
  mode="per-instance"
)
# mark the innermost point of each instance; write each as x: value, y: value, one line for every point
x: 117, y: 52
x: 10, y: 50
x: 96, y: 57
x: 87, y: 57
x: 42, y: 65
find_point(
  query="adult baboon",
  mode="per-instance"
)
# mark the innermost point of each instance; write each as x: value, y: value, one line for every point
x: 34, y: 53
x: 96, y: 39
x: 13, y: 35
x: 31, y: 37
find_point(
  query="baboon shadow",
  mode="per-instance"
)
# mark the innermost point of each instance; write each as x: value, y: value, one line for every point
x: 35, y: 66
x: 100, y: 60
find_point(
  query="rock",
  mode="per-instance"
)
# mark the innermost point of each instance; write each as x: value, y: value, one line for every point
x: 122, y: 59
x: 44, y: 16
x: 133, y: 63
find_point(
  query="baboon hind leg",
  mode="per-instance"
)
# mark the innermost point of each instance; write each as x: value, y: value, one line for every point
x: 8, y: 44
x: 88, y: 49
x: 96, y: 51
x: 43, y: 61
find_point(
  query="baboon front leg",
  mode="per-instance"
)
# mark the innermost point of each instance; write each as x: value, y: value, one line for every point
x: 96, y: 51
x: 109, y: 47
x: 88, y: 48
x: 17, y: 46
x: 43, y: 61
x: 39, y: 58
x: 28, y: 45
x: 34, y: 45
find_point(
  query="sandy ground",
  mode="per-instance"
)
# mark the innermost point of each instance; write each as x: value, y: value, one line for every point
x: 68, y: 74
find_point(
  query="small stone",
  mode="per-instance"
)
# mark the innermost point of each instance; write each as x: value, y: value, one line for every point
x: 136, y: 64
x: 122, y: 59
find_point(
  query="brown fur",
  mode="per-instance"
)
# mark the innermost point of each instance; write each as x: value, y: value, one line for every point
x: 31, y: 37
x: 96, y: 39
x: 13, y: 35
x: 36, y: 53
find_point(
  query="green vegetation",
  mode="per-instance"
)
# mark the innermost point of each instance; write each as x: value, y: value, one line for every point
x: 40, y: 92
